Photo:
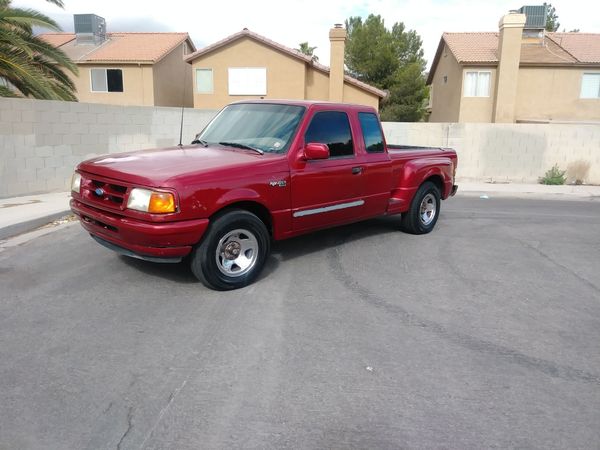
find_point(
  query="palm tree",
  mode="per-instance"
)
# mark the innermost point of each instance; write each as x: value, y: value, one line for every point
x: 308, y: 50
x: 28, y: 64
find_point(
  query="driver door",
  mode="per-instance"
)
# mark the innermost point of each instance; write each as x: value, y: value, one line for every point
x: 328, y: 192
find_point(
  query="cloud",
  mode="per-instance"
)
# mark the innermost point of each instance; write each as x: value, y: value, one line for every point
x: 294, y: 21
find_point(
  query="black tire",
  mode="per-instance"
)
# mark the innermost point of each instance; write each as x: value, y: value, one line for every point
x: 239, y: 229
x: 418, y: 220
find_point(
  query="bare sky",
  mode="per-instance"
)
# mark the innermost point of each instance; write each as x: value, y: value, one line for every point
x: 290, y: 22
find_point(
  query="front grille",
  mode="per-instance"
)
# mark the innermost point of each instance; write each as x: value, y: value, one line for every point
x: 112, y: 192
x: 103, y: 192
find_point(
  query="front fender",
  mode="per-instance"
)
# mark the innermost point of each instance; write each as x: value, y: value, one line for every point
x: 237, y: 196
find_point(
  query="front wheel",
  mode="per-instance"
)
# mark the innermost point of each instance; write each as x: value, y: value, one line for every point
x: 233, y: 251
x: 424, y: 210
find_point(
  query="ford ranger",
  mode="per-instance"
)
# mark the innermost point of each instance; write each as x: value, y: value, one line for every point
x: 259, y: 171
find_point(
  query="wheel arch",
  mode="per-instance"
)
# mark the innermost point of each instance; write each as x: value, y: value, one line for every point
x: 438, y: 181
x: 256, y: 208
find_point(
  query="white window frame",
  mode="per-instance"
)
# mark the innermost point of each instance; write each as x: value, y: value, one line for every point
x: 259, y: 90
x: 212, y: 80
x: 106, y: 78
x: 595, y: 74
x: 487, y: 95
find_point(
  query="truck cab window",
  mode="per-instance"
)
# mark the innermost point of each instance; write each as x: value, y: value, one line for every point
x: 371, y: 132
x: 331, y: 128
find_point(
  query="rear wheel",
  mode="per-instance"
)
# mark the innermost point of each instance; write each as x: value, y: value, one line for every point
x: 424, y: 210
x: 233, y: 251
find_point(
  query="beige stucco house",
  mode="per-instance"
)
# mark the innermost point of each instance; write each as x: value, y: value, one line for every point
x: 145, y: 69
x: 519, y: 74
x: 247, y: 65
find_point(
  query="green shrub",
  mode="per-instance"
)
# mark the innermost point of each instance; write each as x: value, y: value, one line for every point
x: 554, y: 176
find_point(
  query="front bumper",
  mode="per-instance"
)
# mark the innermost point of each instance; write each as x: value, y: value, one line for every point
x: 454, y: 189
x: 160, y: 242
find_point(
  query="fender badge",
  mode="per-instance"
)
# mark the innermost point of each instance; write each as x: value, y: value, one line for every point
x: 280, y: 183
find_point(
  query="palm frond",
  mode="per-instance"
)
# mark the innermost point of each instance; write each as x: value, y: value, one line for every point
x: 32, y: 66
x: 27, y: 19
x: 7, y: 92
x: 58, y: 3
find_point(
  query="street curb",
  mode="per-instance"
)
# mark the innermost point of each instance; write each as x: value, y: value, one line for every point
x: 30, y: 225
x: 529, y: 195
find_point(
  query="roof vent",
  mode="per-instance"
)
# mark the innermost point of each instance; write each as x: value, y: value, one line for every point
x: 89, y: 28
x: 536, y: 17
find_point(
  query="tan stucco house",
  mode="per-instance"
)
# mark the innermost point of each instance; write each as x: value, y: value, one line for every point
x: 519, y: 74
x: 145, y: 69
x: 247, y: 65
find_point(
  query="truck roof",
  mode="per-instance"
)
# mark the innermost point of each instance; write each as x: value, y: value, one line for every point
x: 308, y: 103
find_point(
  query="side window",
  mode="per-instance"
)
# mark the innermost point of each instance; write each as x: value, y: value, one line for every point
x: 371, y: 132
x: 107, y: 80
x: 477, y: 84
x: 204, y: 81
x: 590, y: 85
x: 331, y: 128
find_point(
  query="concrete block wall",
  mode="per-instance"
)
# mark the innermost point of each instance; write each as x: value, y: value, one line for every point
x: 520, y: 153
x: 41, y: 141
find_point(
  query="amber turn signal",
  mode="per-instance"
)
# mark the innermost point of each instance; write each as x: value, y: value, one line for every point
x: 161, y: 203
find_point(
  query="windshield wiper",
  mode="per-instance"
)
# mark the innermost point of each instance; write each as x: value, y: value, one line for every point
x: 244, y: 146
x: 200, y: 141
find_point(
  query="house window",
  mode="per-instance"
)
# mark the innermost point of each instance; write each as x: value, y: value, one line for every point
x: 107, y: 80
x: 477, y: 84
x: 247, y: 81
x: 590, y: 85
x: 204, y: 81
x: 331, y: 128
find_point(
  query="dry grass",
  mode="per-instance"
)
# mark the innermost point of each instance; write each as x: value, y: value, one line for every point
x: 577, y: 171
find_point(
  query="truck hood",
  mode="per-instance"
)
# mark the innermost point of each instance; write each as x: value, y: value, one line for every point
x: 161, y: 167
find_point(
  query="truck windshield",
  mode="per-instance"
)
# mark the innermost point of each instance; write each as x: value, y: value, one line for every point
x: 264, y: 126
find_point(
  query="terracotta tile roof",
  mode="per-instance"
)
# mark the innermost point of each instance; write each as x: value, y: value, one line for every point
x: 583, y: 46
x: 120, y: 47
x: 473, y: 47
x: 549, y: 53
x: 558, y: 48
x: 57, y: 39
x: 282, y: 48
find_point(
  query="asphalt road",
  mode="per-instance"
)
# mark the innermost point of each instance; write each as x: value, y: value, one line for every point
x: 485, y: 333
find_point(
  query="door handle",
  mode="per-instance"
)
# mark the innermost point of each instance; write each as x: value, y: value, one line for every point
x: 357, y: 170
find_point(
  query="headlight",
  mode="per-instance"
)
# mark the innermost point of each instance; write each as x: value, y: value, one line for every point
x: 151, y: 201
x: 76, y: 182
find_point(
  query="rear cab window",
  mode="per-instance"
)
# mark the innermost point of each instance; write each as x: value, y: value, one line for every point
x: 331, y: 128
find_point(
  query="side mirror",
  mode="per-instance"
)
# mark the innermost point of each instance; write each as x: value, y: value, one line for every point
x: 315, y: 150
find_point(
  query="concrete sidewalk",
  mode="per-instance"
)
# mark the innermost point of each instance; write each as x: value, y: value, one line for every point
x: 22, y: 214
x: 563, y: 192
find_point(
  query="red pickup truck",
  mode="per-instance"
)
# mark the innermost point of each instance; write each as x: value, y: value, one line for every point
x: 260, y: 170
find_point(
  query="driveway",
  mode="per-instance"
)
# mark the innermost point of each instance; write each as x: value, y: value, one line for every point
x: 485, y: 333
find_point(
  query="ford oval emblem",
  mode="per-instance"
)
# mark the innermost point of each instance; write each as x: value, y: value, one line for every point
x: 99, y: 192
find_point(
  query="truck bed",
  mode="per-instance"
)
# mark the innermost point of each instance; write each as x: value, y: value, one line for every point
x: 398, y: 148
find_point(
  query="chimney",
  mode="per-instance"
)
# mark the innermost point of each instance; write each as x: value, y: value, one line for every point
x: 337, y: 37
x: 507, y: 74
x: 89, y: 29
